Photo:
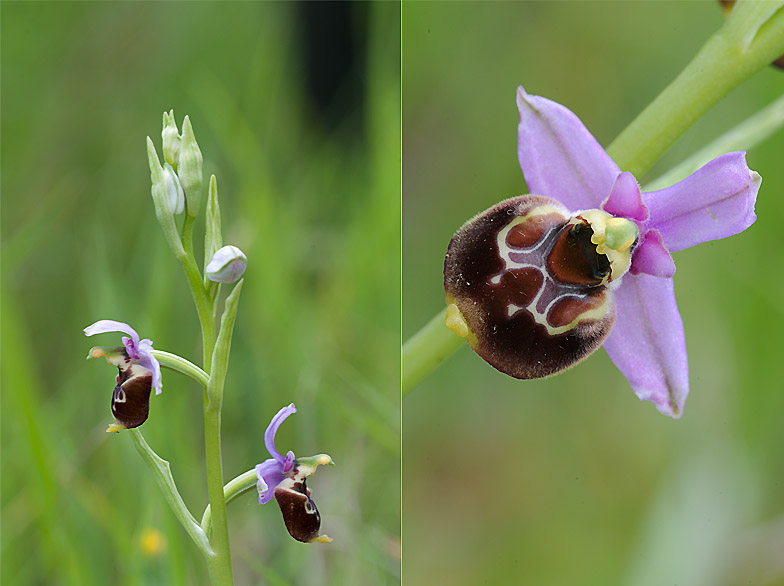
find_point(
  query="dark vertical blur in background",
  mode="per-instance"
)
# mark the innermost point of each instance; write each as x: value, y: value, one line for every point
x: 297, y: 111
x: 334, y: 41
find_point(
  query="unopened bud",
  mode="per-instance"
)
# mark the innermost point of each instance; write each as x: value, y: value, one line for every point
x: 171, y: 139
x: 171, y: 184
x: 161, y: 197
x: 227, y: 265
x: 189, y: 168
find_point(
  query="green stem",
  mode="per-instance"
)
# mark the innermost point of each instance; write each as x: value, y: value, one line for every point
x: 749, y: 40
x: 213, y: 403
x: 220, y: 568
x: 220, y: 355
x: 744, y: 136
x: 179, y: 364
x: 236, y: 487
x: 428, y: 348
x: 219, y: 565
x: 199, y: 293
x: 162, y: 472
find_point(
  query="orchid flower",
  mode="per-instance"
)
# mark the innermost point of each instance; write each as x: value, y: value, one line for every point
x: 538, y: 282
x: 139, y: 373
x: 284, y: 478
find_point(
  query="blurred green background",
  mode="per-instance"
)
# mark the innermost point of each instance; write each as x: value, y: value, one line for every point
x: 297, y: 111
x: 572, y: 480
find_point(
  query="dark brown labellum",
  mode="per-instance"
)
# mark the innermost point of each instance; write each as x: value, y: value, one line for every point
x: 530, y: 286
x: 300, y: 514
x: 131, y: 396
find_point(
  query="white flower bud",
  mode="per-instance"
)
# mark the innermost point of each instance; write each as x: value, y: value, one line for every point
x: 171, y: 139
x: 164, y: 210
x: 227, y: 265
x: 189, y: 168
x: 171, y: 183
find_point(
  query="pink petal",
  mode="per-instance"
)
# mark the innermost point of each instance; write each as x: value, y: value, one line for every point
x: 559, y: 157
x: 272, y: 428
x: 714, y: 202
x: 151, y: 363
x: 109, y: 325
x: 269, y: 474
x: 647, y: 343
x: 651, y: 257
x: 625, y: 199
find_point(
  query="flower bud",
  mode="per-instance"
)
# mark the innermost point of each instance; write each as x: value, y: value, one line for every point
x: 227, y: 265
x: 189, y: 168
x: 171, y: 139
x: 161, y: 192
x: 171, y: 184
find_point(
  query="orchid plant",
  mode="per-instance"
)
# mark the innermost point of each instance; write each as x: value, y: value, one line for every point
x: 177, y: 188
x: 538, y: 282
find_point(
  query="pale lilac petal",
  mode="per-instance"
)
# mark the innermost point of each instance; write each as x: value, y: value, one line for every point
x: 714, y: 202
x: 109, y: 325
x: 288, y: 464
x: 559, y: 157
x: 272, y: 428
x: 147, y: 360
x: 647, y: 343
x: 270, y: 475
x: 651, y: 257
x: 625, y: 199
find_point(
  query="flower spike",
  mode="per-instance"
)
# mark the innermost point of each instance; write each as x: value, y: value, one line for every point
x: 538, y: 282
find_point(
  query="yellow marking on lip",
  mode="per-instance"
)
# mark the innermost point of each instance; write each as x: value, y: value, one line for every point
x: 115, y: 427
x: 455, y: 321
x: 321, y: 539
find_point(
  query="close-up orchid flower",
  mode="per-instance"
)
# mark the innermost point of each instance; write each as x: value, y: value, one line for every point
x: 139, y: 373
x: 629, y: 160
x: 538, y: 282
x: 283, y: 477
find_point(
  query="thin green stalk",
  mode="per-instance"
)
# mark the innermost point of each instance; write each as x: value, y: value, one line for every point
x: 179, y: 364
x: 221, y: 566
x: 749, y: 40
x: 426, y: 349
x: 187, y: 235
x: 236, y: 487
x: 162, y: 472
x: 203, y: 305
x: 744, y: 136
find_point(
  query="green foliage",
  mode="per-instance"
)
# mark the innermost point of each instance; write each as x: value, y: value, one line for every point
x: 316, y: 209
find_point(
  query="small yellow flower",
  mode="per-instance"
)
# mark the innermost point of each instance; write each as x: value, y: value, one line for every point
x: 153, y: 542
